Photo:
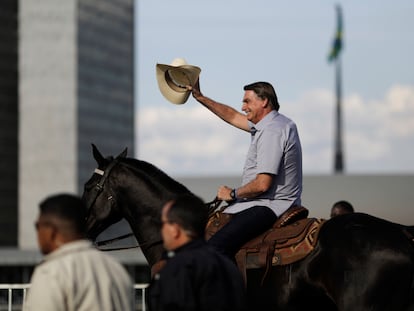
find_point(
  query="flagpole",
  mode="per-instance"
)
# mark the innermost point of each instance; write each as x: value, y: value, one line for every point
x: 334, y: 55
x: 339, y: 165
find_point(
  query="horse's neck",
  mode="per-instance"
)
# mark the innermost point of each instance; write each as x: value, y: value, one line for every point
x: 149, y: 240
x: 142, y: 201
x: 147, y: 180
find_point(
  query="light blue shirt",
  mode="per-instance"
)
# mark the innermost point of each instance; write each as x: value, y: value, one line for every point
x: 274, y: 149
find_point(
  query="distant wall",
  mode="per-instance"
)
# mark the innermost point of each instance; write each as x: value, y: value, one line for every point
x: 387, y: 196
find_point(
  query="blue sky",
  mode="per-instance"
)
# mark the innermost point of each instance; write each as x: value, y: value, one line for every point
x: 237, y: 42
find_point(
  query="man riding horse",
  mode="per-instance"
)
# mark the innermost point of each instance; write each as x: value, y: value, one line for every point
x: 272, y: 176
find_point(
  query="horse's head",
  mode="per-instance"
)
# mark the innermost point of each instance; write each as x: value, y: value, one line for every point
x: 99, y: 197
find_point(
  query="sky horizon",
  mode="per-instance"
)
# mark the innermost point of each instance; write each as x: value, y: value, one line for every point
x: 236, y: 43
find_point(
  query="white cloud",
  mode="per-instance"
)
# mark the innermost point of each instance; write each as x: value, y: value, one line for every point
x: 378, y: 135
x: 380, y: 132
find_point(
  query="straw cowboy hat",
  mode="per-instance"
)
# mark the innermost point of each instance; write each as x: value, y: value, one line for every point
x: 173, y: 79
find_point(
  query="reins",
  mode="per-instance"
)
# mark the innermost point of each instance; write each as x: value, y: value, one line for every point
x: 109, y: 241
x: 147, y: 245
x: 98, y: 244
x: 212, y: 207
x: 124, y: 236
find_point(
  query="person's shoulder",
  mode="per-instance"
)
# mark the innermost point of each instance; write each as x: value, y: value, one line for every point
x: 195, y: 250
x: 284, y: 119
x: 198, y: 252
x: 284, y: 124
x: 105, y: 257
x: 46, y: 268
x: 215, y: 257
x: 223, y: 259
x: 217, y: 263
x: 84, y: 251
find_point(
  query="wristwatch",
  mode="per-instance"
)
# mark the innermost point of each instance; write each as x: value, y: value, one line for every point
x: 233, y: 194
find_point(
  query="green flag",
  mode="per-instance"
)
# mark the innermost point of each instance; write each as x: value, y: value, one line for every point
x: 337, y: 42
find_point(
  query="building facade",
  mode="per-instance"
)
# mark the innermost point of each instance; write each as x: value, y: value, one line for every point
x: 8, y: 122
x: 67, y: 80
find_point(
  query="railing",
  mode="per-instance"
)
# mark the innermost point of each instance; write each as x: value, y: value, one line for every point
x: 140, y: 303
x: 9, y: 299
x: 12, y: 296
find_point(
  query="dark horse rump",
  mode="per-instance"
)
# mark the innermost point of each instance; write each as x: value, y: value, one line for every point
x: 359, y: 262
x: 350, y: 235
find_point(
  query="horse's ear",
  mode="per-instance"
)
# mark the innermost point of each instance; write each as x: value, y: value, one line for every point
x: 123, y: 153
x: 97, y: 155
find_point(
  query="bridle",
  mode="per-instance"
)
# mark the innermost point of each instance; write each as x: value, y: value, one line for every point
x: 97, y: 189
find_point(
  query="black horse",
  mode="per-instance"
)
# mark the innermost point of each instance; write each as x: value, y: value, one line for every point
x: 360, y: 262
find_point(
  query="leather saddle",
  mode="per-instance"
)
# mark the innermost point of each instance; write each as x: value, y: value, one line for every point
x: 292, y: 237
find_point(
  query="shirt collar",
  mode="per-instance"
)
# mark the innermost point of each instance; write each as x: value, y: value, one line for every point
x: 262, y: 123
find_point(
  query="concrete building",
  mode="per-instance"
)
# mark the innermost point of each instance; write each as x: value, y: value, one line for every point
x: 8, y: 122
x: 66, y: 82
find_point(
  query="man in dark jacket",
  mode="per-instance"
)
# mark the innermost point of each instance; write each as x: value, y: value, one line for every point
x: 195, y: 277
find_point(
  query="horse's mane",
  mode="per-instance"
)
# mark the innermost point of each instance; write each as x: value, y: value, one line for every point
x: 154, y: 173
